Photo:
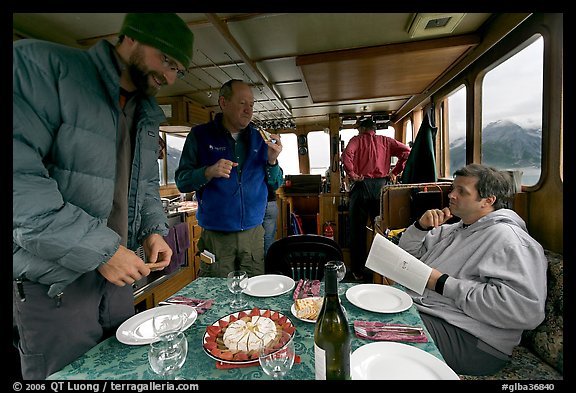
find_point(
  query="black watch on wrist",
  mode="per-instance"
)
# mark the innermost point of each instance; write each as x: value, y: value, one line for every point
x: 439, y: 288
x: 417, y: 225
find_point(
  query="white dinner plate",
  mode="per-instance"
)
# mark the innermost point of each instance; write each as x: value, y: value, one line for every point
x: 138, y: 329
x: 379, y: 298
x: 391, y: 360
x: 268, y: 285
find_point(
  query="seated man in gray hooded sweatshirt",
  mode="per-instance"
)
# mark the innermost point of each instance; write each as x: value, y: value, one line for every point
x: 488, y: 280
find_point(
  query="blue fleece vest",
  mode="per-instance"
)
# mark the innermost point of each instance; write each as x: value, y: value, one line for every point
x: 237, y: 203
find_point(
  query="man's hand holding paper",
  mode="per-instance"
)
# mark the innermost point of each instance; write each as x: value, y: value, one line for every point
x: 393, y: 262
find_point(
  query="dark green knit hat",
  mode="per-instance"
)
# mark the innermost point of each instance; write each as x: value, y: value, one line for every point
x: 166, y: 32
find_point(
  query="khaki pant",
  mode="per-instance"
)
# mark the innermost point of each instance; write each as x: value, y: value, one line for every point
x: 243, y: 250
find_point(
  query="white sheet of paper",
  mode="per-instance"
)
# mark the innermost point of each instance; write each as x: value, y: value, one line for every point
x: 393, y: 262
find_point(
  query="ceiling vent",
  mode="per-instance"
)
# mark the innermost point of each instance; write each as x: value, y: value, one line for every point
x: 424, y: 25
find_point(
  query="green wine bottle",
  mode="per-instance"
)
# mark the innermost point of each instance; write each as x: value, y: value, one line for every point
x: 332, y: 337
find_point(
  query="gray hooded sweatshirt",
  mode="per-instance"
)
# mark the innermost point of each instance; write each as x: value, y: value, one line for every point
x: 497, y: 283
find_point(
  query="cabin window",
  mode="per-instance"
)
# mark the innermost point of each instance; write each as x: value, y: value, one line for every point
x: 347, y: 134
x: 288, y: 158
x: 319, y: 152
x: 456, y: 129
x: 174, y: 146
x: 409, y: 133
x: 512, y: 114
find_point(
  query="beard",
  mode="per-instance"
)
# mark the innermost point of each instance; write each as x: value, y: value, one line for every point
x: 143, y: 78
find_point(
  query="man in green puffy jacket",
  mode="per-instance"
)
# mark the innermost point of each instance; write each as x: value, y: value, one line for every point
x: 85, y: 184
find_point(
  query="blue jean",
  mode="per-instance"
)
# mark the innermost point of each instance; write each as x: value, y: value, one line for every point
x: 269, y: 224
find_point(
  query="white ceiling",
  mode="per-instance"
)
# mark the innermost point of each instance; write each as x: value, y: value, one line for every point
x: 304, y: 66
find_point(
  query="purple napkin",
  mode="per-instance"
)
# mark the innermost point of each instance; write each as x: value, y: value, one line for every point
x: 297, y: 289
x: 314, y: 288
x: 174, y: 262
x: 199, y: 304
x: 182, y: 237
x: 379, y: 335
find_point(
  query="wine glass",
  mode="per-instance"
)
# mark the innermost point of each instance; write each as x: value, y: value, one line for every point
x: 166, y: 357
x: 237, y: 281
x: 277, y: 357
x: 340, y: 274
x: 166, y: 325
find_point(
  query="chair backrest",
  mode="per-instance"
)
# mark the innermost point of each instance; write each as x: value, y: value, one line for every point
x: 302, y: 256
x: 396, y: 202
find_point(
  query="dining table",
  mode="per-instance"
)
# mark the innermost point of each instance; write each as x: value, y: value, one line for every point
x: 114, y: 360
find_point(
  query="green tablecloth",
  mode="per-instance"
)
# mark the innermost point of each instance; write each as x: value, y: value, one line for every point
x: 112, y: 360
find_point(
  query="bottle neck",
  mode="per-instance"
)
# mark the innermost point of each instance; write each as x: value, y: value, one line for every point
x: 331, y: 282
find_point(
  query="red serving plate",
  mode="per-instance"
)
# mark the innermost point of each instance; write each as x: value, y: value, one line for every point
x: 213, y: 344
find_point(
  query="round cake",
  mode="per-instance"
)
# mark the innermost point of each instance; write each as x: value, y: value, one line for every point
x: 248, y: 335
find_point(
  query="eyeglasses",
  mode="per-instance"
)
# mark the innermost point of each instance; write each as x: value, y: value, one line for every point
x: 171, y: 65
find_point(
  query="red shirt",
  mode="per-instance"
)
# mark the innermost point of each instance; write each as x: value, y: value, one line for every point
x: 369, y: 155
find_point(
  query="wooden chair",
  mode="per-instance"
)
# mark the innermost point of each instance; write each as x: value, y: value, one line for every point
x: 302, y: 256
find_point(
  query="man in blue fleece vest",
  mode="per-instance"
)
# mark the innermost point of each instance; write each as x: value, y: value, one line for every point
x: 229, y: 165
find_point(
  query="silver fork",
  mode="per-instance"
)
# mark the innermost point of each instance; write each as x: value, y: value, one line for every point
x: 409, y: 330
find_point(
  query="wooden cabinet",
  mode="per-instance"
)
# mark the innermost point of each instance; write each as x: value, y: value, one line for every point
x: 182, y: 111
x: 166, y: 286
x: 306, y: 207
x: 329, y: 212
x: 314, y: 210
x: 162, y: 289
x: 195, y: 231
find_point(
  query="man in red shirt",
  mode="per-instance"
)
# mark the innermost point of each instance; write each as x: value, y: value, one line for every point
x: 366, y: 160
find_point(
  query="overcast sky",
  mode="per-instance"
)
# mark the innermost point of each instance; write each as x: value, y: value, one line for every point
x: 512, y: 91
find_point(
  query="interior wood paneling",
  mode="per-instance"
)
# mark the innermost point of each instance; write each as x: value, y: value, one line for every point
x: 389, y: 70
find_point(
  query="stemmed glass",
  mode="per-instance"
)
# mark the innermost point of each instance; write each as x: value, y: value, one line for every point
x: 168, y: 353
x: 277, y: 357
x: 340, y: 274
x: 237, y: 281
x: 166, y: 357
x: 167, y: 325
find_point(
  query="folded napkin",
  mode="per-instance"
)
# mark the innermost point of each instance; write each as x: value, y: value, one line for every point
x: 379, y: 335
x: 199, y: 304
x: 226, y: 366
x: 313, y: 285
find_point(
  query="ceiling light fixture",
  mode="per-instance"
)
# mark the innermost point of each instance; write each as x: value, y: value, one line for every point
x: 277, y: 124
x: 425, y: 24
x: 349, y: 120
